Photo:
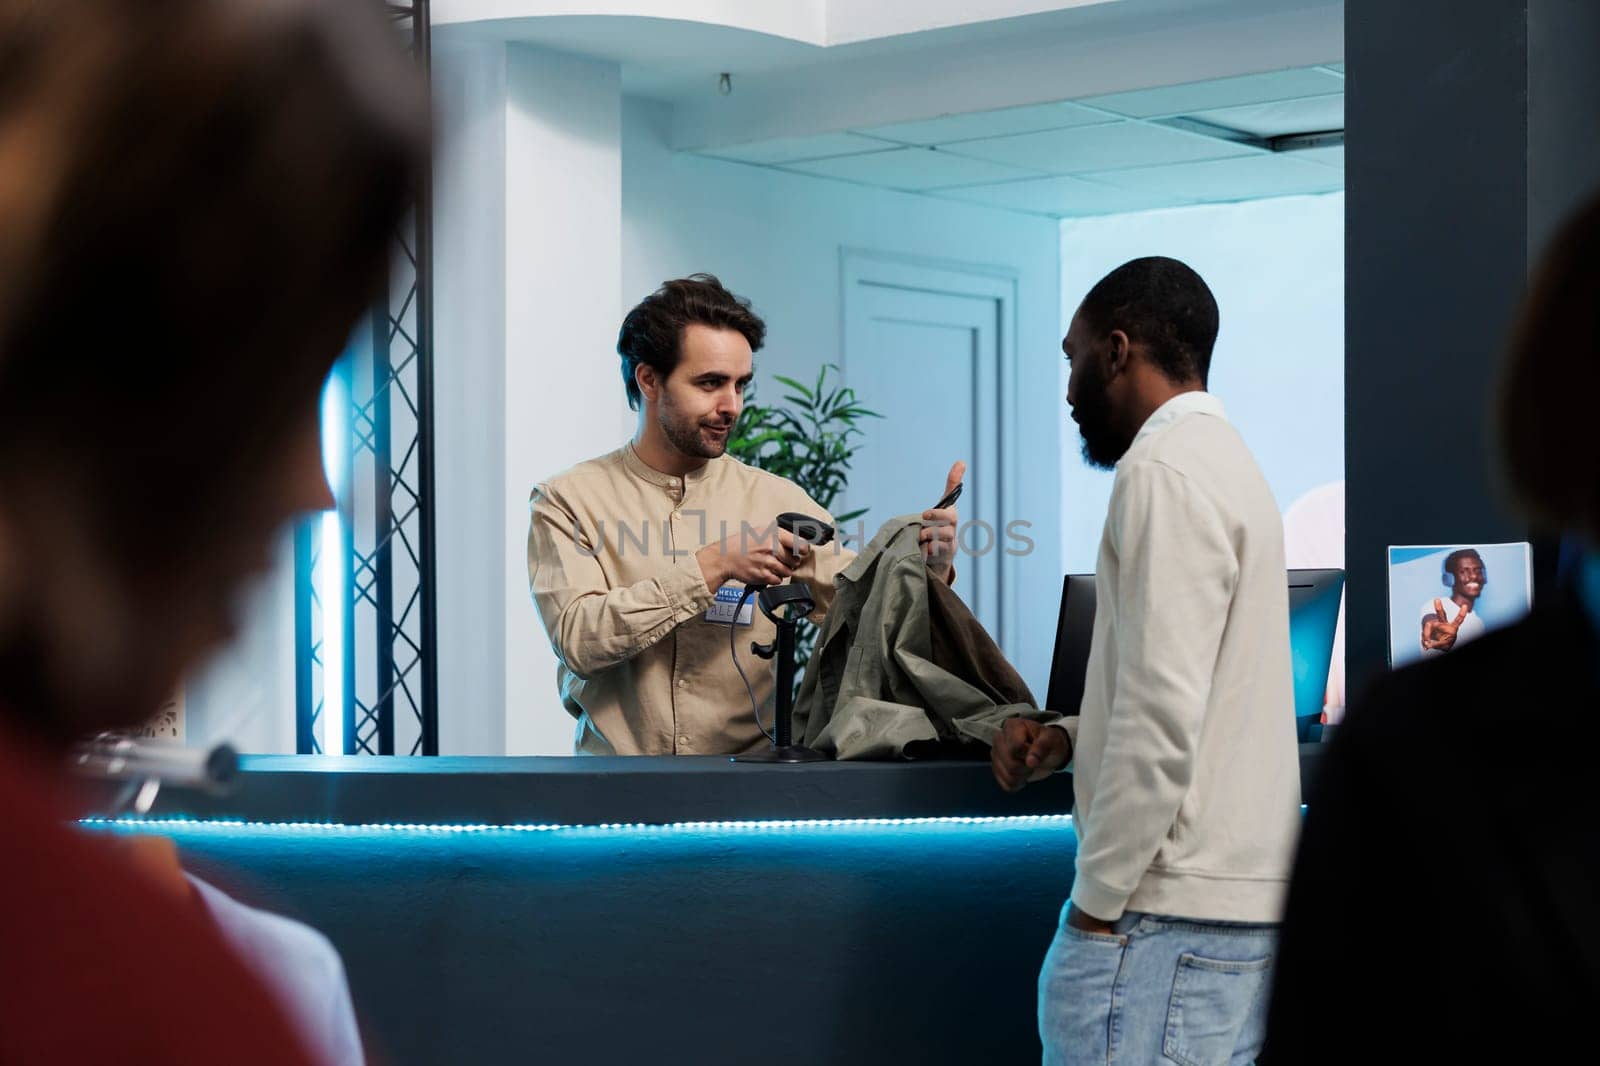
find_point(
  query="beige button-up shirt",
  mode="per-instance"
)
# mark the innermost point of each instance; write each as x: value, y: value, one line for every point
x: 611, y: 563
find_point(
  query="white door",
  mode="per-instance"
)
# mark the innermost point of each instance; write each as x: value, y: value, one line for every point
x: 924, y: 348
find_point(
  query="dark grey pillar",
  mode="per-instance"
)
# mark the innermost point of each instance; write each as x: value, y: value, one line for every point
x: 1563, y: 112
x: 1472, y: 132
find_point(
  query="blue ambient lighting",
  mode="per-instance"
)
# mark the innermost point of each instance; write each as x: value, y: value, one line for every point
x: 332, y: 577
x: 226, y: 825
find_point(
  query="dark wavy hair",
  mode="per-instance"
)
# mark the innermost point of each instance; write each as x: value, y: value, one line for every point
x: 652, y: 334
x: 197, y: 199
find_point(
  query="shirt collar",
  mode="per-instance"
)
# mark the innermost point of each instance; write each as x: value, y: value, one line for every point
x: 645, y: 472
x: 1185, y: 403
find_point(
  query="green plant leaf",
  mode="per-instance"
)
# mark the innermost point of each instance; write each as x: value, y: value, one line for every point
x: 809, y: 438
x: 793, y: 384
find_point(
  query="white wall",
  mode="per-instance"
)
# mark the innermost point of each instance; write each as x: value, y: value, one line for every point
x: 776, y: 239
x: 864, y: 20
x: 563, y: 271
x: 816, y: 22
x: 469, y: 81
x: 801, y: 20
x: 1277, y: 270
x: 527, y: 266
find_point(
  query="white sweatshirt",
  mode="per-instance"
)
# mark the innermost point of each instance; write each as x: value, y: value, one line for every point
x: 1184, y: 755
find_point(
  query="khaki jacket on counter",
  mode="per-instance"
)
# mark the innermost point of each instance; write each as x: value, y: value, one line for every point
x: 901, y: 667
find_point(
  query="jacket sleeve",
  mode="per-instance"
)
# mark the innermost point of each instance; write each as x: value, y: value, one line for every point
x: 591, y: 625
x: 1176, y: 580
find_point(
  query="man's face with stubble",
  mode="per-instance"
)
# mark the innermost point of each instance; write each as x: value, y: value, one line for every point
x: 700, y: 400
x: 1089, y: 396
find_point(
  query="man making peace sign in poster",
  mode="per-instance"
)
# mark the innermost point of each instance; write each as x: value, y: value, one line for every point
x: 1446, y: 624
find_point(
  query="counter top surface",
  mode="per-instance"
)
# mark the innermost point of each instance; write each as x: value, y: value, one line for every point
x: 587, y: 790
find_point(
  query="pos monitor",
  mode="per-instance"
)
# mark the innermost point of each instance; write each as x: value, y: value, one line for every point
x: 1314, y: 597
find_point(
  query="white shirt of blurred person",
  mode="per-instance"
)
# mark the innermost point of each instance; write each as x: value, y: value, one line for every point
x: 1313, y: 539
x: 1450, y: 621
x: 637, y: 559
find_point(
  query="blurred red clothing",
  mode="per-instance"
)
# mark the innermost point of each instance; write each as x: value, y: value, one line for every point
x: 98, y: 962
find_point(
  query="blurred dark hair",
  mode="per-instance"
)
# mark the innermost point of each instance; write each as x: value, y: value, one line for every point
x: 1459, y: 554
x: 1547, y: 387
x: 652, y: 333
x: 196, y: 203
x: 196, y: 198
x: 1162, y: 304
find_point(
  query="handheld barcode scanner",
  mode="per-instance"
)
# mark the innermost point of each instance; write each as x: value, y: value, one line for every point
x: 785, y: 605
x: 814, y: 531
x: 771, y: 598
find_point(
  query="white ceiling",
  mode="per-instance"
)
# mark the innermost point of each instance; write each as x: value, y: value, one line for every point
x: 1096, y: 155
x: 673, y: 50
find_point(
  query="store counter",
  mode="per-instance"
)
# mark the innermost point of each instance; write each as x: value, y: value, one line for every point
x: 656, y: 910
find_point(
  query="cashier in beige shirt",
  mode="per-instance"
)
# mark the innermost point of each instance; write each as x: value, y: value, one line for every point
x: 627, y: 552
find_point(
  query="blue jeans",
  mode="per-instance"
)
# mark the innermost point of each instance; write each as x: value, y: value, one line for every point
x: 1160, y: 990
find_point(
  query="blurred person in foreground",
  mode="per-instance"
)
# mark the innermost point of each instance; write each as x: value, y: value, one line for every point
x: 1442, y: 907
x: 195, y: 201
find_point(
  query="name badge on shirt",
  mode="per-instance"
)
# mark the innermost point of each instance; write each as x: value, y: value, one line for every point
x: 721, y: 611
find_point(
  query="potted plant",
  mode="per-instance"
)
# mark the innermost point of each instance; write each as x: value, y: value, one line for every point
x: 810, y: 440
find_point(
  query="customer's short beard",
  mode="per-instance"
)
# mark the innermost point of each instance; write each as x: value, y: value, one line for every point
x: 684, y: 434
x: 1102, y: 446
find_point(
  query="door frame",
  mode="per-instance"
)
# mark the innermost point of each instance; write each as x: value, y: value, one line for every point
x: 950, y: 277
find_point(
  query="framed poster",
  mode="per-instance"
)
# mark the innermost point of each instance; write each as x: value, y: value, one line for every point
x: 1442, y: 596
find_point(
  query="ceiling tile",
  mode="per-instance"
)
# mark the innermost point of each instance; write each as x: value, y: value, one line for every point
x: 1310, y: 114
x: 1086, y: 148
x: 1328, y: 157
x: 911, y: 168
x: 793, y: 149
x: 1246, y: 178
x: 948, y: 129
x: 1224, y: 92
x: 1061, y: 197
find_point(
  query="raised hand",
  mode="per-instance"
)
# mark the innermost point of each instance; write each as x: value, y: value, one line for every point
x: 938, y: 535
x: 1438, y: 634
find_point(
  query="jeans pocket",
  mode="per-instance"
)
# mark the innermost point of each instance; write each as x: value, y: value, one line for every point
x: 1116, y: 940
x: 1076, y: 987
x: 1211, y: 1002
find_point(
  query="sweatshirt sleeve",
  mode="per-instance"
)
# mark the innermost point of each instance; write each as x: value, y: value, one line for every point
x: 1177, y: 575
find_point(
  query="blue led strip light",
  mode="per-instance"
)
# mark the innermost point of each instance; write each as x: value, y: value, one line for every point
x: 159, y: 824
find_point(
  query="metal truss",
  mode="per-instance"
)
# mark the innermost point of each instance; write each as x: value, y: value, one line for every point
x: 385, y: 544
